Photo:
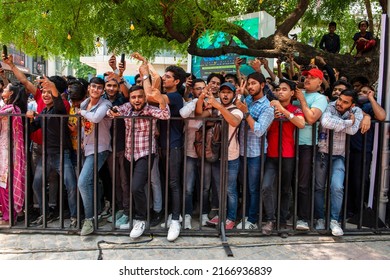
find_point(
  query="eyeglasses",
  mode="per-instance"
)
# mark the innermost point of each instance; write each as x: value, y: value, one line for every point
x: 97, y: 87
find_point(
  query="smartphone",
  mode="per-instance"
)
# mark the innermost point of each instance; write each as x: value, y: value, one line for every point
x: 123, y: 58
x: 243, y: 60
x: 5, y: 51
x: 115, y: 110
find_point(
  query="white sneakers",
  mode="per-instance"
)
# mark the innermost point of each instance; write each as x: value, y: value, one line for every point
x: 205, y: 218
x: 174, y: 230
x: 320, y: 225
x: 169, y: 220
x: 138, y: 229
x: 187, y: 221
x: 335, y: 228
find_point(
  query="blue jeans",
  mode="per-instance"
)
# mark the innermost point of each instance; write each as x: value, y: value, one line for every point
x: 53, y: 163
x: 336, y: 185
x: 191, y: 174
x: 85, y: 182
x: 253, y: 187
x: 232, y: 194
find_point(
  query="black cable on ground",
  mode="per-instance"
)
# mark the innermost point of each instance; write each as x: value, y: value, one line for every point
x: 100, y: 256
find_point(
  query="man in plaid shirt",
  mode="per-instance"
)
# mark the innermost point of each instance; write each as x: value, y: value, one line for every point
x: 343, y: 117
x: 141, y: 134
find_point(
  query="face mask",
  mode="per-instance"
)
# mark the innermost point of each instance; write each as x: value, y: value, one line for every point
x: 362, y: 99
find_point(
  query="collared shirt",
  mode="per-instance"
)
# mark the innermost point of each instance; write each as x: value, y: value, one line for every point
x: 141, y: 129
x: 341, y: 124
x: 263, y: 114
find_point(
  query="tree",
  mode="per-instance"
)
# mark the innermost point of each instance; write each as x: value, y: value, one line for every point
x: 70, y: 28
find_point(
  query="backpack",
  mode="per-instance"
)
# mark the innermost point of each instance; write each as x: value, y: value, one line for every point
x: 212, y: 139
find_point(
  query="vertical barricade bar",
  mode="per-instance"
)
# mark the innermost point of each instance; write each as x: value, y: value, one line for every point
x: 166, y: 194
x: 313, y: 176
x: 346, y: 181
x: 95, y: 176
x: 184, y: 172
x: 150, y: 166
x: 262, y: 165
x: 245, y: 176
x: 223, y: 174
x: 28, y: 173
x: 328, y: 184
x: 132, y: 140
x: 10, y: 172
x: 44, y: 175
x: 79, y: 164
x: 113, y: 168
x: 61, y: 184
x: 279, y: 181
x: 295, y: 183
x: 363, y: 181
x: 202, y: 175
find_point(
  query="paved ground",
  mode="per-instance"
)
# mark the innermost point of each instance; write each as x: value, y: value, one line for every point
x: 37, y: 246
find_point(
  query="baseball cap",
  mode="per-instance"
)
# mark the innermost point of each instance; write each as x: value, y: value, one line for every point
x: 228, y: 85
x: 314, y: 72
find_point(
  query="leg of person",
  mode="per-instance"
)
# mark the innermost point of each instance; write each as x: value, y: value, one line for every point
x: 319, y: 195
x: 253, y: 188
x: 268, y: 192
x: 336, y: 194
x: 122, y: 192
x: 215, y: 180
x: 86, y: 188
x: 191, y: 170
x: 288, y: 165
x: 304, y: 186
x: 232, y: 195
x: 140, y: 178
x: 175, y: 167
x: 158, y: 214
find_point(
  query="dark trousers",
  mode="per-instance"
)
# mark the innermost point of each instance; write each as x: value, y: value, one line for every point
x: 139, y: 180
x: 304, y: 182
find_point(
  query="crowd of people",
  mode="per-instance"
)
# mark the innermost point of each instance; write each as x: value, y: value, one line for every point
x: 154, y: 123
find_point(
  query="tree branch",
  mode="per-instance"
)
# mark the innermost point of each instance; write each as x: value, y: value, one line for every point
x: 293, y: 18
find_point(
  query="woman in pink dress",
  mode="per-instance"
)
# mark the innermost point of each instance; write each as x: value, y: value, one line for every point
x: 15, y: 102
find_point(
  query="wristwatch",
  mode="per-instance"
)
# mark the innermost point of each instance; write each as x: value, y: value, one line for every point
x: 291, y: 116
x: 145, y: 77
x: 246, y: 115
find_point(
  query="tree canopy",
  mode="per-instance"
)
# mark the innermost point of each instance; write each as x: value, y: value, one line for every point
x: 70, y: 28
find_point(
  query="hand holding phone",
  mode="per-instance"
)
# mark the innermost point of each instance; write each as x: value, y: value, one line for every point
x: 123, y: 58
x: 114, y: 109
x: 5, y: 51
x: 243, y: 60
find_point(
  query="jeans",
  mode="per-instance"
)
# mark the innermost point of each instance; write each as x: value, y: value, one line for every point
x: 86, y: 180
x: 140, y: 178
x: 269, y: 190
x: 232, y: 194
x: 336, y: 185
x: 175, y: 166
x: 53, y: 163
x: 191, y: 174
x: 253, y: 187
x: 156, y: 185
x: 304, y: 181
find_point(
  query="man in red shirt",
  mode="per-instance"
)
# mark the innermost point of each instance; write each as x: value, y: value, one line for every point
x: 289, y: 117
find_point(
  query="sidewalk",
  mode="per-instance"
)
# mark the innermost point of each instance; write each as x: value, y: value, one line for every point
x: 305, y: 247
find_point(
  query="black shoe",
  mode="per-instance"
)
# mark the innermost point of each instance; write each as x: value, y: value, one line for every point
x: 156, y: 218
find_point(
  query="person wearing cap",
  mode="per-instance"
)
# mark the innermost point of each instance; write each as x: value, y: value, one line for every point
x: 289, y: 117
x: 233, y: 116
x: 312, y: 104
x: 258, y: 116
